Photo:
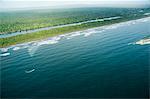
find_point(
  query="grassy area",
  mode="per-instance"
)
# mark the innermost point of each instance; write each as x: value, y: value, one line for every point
x: 14, y: 21
x: 23, y: 22
x: 53, y: 32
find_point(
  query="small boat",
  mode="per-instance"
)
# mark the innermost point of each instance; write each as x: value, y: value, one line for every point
x: 29, y: 71
x: 143, y: 41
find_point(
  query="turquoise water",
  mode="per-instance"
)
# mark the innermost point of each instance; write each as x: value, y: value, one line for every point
x: 104, y: 64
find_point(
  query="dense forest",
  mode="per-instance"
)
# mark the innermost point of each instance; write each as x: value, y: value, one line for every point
x: 13, y: 21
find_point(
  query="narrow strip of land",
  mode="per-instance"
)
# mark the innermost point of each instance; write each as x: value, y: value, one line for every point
x: 4, y: 42
x: 53, y: 27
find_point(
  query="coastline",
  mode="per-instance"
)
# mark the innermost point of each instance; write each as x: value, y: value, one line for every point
x: 32, y: 37
x: 59, y: 26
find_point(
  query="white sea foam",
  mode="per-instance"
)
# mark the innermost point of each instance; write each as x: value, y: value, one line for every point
x: 32, y: 50
x: 46, y: 42
x: 146, y: 13
x: 112, y: 27
x: 144, y: 20
x: 63, y: 35
x: 56, y: 38
x: 33, y: 46
x: 88, y: 33
x: 141, y: 11
x: 4, y: 49
x: 16, y: 48
x: 4, y: 54
x: 74, y: 34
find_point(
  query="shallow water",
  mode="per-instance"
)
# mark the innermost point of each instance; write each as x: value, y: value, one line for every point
x: 98, y: 63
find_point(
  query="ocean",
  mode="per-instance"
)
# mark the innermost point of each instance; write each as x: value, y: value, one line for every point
x: 95, y: 63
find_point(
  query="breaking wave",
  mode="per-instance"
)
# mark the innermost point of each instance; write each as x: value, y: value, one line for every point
x: 4, y: 50
x: 4, y: 54
x: 33, y: 46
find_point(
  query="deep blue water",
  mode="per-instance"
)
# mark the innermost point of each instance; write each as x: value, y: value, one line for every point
x: 101, y: 65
